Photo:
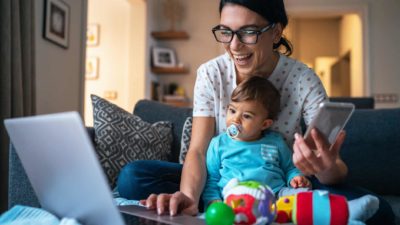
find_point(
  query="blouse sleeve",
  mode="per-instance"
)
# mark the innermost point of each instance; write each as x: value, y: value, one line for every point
x: 203, y: 103
x: 313, y: 96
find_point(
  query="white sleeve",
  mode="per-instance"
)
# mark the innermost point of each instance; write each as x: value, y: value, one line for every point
x: 204, y: 97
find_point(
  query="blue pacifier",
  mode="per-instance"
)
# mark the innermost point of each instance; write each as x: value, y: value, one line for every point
x: 233, y: 130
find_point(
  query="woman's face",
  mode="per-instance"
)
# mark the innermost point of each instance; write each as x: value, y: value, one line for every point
x: 249, y: 58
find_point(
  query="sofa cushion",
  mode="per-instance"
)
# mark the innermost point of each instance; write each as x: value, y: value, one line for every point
x: 185, y: 140
x: 372, y: 149
x: 153, y: 111
x: 121, y: 137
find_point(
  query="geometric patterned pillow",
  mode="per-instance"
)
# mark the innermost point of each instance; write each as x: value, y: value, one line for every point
x: 185, y: 140
x: 121, y: 137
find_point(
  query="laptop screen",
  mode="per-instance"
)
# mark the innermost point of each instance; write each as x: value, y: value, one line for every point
x: 62, y: 166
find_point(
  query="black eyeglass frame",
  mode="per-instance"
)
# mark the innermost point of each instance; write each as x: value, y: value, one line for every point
x: 237, y: 32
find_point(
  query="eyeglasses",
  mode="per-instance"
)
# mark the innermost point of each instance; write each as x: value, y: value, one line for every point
x: 246, y: 36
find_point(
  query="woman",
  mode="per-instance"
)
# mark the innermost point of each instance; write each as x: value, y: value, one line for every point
x: 251, y: 32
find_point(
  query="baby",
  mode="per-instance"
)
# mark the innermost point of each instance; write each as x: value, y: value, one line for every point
x: 250, y: 151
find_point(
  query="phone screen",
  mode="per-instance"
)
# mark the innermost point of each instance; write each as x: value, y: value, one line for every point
x: 330, y: 120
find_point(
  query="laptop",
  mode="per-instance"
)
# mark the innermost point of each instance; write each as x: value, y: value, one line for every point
x: 62, y: 166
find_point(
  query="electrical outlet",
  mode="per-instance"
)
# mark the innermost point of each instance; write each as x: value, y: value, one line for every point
x: 386, y: 98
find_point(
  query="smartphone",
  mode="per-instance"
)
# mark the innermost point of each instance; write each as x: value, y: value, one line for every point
x: 330, y: 120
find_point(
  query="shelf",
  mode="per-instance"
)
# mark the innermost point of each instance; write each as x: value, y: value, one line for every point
x: 169, y: 35
x: 169, y: 70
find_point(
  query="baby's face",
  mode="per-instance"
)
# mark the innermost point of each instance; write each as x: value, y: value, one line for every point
x: 251, y: 116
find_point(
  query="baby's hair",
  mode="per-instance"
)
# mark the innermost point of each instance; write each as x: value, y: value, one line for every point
x: 261, y: 90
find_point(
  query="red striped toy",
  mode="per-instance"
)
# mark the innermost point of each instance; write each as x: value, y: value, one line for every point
x: 320, y: 208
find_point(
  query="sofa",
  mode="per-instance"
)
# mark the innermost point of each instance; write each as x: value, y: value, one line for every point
x: 371, y: 151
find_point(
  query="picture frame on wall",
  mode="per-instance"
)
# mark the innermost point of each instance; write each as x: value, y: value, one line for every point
x: 92, y: 68
x: 93, y: 35
x: 163, y: 57
x: 56, y: 22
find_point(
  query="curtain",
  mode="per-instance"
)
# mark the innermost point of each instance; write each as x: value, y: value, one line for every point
x: 17, y: 74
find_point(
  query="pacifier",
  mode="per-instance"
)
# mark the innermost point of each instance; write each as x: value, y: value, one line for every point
x: 234, y: 130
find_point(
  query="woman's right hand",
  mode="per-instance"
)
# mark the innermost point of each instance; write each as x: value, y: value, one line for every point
x: 194, y: 174
x: 171, y: 203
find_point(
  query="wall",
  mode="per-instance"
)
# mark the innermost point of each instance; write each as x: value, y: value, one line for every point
x: 137, y: 56
x: 323, y: 69
x: 329, y: 37
x: 381, y: 72
x: 350, y: 36
x: 199, y: 18
x: 121, y: 53
x: 314, y: 37
x: 59, y: 71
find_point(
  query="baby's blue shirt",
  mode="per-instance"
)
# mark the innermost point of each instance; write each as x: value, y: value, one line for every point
x: 267, y: 160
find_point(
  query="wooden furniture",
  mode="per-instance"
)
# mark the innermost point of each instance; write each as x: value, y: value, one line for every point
x: 169, y: 70
x: 168, y: 36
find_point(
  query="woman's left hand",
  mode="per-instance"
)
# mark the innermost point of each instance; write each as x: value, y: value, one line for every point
x: 324, y: 162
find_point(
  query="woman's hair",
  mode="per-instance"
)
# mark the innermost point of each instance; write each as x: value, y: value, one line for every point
x: 271, y: 10
x: 261, y: 90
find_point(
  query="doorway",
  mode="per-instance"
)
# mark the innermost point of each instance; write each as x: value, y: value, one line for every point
x: 115, y: 53
x: 326, y: 36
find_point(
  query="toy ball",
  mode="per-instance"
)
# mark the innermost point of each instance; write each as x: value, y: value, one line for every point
x: 218, y: 213
x: 251, y: 202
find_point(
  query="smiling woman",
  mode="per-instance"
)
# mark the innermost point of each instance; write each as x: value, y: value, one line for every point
x: 251, y: 33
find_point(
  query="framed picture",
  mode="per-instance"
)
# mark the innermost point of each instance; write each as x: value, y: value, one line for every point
x: 92, y: 68
x: 93, y: 35
x: 56, y: 22
x: 163, y: 57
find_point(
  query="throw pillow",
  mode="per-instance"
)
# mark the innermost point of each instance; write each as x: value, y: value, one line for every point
x: 121, y: 137
x: 185, y: 140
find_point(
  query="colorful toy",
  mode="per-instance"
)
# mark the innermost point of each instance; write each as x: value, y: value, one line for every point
x: 251, y: 202
x: 284, y: 210
x: 218, y: 213
x: 313, y: 207
x: 320, y: 207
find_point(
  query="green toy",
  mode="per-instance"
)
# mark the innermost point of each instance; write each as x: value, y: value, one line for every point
x: 219, y: 213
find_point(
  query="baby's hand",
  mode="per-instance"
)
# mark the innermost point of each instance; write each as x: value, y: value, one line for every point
x: 300, y: 182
